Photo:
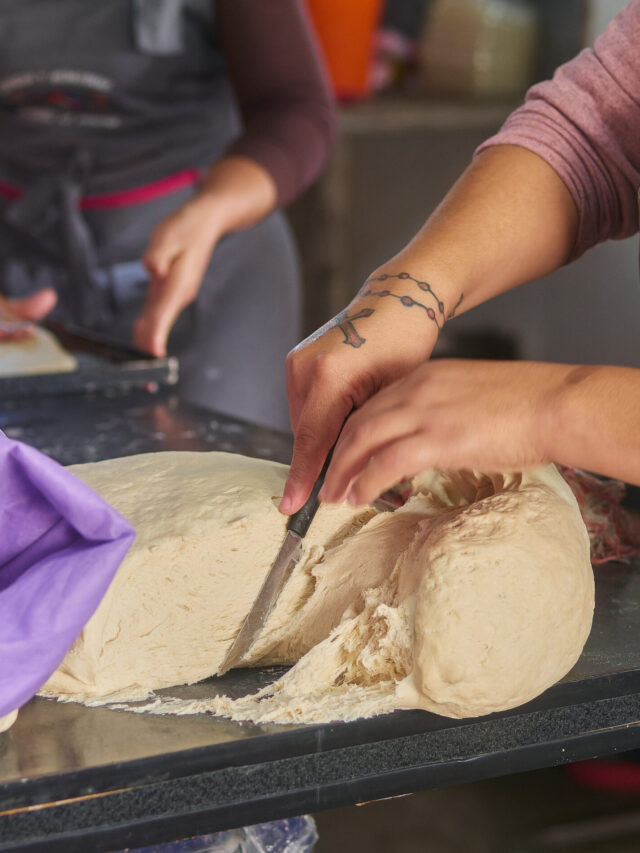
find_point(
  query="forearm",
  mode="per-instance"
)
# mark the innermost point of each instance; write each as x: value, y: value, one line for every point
x: 282, y: 91
x: 585, y: 124
x: 235, y: 194
x: 591, y: 420
x: 507, y: 220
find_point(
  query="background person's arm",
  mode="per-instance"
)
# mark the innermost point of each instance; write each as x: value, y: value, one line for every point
x: 288, y: 118
x: 560, y: 177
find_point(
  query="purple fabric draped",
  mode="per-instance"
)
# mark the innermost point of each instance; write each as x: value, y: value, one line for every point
x: 60, y: 547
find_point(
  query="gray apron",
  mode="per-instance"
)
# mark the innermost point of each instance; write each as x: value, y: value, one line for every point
x: 85, y: 113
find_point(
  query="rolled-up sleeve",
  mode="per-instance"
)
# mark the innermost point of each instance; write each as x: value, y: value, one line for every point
x: 585, y: 123
x: 282, y: 90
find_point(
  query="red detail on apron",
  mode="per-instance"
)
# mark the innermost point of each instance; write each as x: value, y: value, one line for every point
x: 123, y: 198
x: 10, y: 191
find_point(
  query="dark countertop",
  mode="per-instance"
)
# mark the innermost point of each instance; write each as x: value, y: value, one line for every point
x: 79, y: 428
x: 78, y: 779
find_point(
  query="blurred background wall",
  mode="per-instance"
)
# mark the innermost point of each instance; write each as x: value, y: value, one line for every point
x: 406, y: 136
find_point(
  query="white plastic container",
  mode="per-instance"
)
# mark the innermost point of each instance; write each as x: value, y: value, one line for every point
x: 478, y: 48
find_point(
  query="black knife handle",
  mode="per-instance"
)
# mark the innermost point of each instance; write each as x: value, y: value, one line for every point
x: 301, y: 520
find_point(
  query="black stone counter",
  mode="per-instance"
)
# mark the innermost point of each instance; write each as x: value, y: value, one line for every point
x: 78, y: 428
x: 77, y: 779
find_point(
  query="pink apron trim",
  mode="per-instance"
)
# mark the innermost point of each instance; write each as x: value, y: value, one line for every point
x: 123, y: 198
x: 10, y: 191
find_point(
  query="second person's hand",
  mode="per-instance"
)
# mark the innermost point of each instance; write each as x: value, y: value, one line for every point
x: 17, y: 315
x: 456, y: 414
x: 235, y: 193
x: 176, y: 258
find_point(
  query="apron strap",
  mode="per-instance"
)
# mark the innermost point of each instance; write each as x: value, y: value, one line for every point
x: 47, y: 215
x: 158, y: 25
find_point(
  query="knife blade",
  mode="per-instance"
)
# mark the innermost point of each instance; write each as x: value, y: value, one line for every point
x: 286, y: 559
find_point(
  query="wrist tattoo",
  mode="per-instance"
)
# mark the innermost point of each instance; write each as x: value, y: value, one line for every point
x: 344, y: 322
x: 435, y: 313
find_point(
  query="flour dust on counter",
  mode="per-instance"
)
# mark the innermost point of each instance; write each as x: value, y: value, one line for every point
x: 473, y: 597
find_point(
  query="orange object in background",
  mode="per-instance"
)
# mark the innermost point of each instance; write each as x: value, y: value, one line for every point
x: 346, y: 31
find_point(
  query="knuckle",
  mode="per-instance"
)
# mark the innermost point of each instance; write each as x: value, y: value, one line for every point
x: 306, y: 438
x: 321, y: 370
x: 366, y: 385
x: 154, y: 269
x: 390, y: 460
x: 317, y: 374
x: 291, y: 364
x: 357, y: 432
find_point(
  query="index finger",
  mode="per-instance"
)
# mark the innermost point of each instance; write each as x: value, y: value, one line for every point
x: 317, y: 430
x: 166, y: 297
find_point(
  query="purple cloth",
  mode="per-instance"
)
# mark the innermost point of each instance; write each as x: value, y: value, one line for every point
x: 585, y: 123
x: 60, y: 546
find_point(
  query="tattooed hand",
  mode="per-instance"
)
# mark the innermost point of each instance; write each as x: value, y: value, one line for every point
x: 385, y: 332
x: 449, y: 413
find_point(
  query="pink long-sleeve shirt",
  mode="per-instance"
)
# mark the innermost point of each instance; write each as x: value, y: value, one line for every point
x: 585, y: 123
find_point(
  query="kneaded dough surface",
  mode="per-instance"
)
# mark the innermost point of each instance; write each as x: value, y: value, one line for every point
x: 41, y: 353
x: 473, y: 597
x: 208, y: 529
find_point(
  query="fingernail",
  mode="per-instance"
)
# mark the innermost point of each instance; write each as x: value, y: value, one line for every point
x: 285, y: 505
x: 352, y: 498
x: 322, y: 494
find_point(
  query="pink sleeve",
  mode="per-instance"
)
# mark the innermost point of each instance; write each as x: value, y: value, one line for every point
x: 586, y: 124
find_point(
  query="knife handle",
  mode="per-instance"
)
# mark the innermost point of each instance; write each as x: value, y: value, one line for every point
x: 301, y: 520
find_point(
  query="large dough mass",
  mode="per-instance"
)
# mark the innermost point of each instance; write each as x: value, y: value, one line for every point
x: 473, y: 597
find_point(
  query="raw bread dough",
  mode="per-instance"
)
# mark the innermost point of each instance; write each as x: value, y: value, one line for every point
x: 208, y: 528
x: 474, y: 597
x: 8, y: 720
x: 40, y: 353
